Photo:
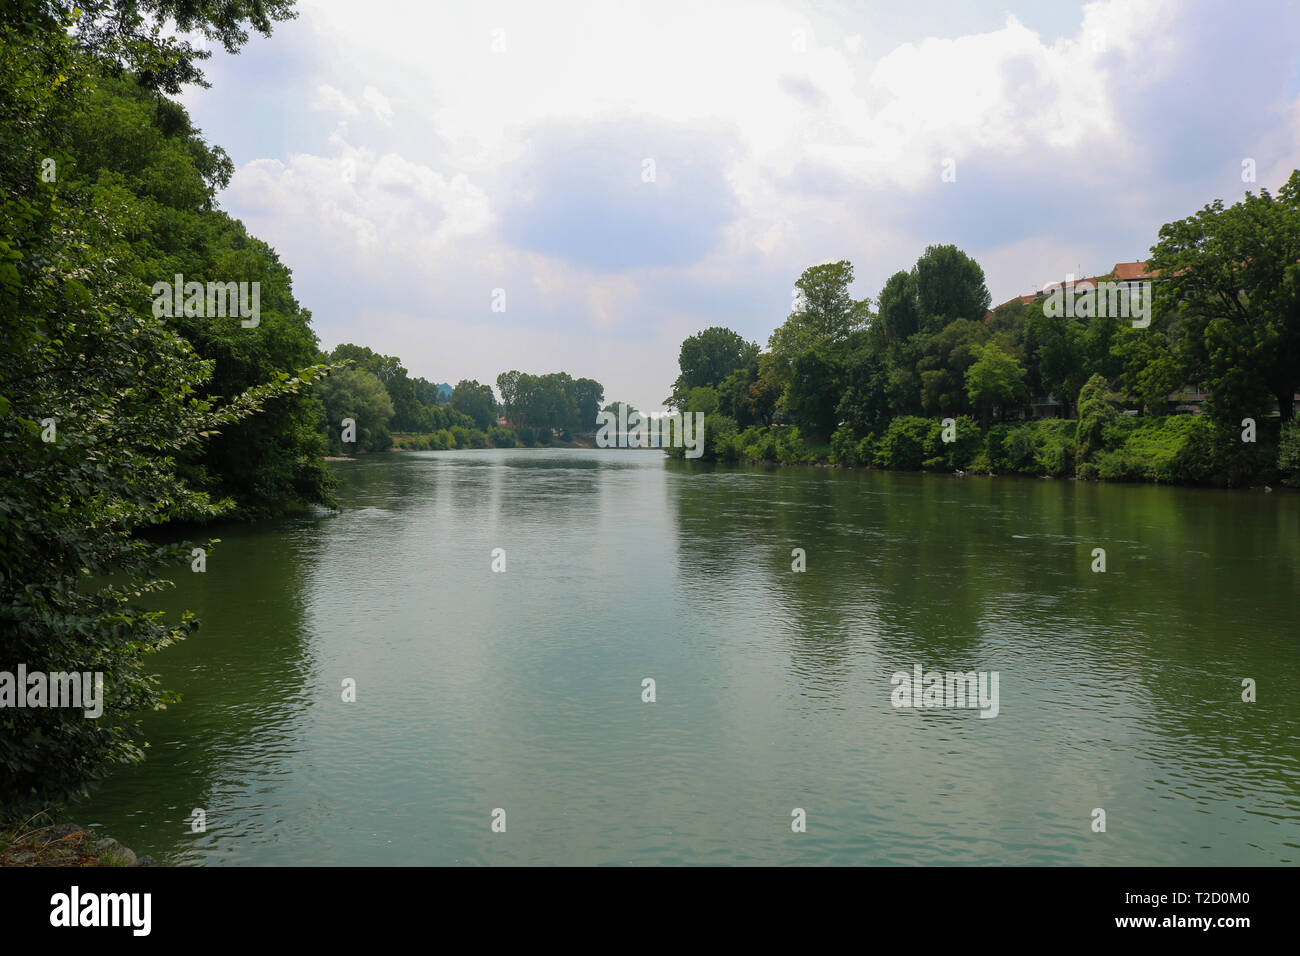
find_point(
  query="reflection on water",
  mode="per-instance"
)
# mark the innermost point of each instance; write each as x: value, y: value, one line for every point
x: 478, y: 690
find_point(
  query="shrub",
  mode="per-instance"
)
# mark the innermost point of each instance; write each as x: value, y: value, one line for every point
x: 1288, y: 454
x: 791, y: 449
x: 1177, y: 448
x: 866, y: 449
x: 961, y: 452
x: 527, y: 437
x: 905, y: 444
x: 1096, y: 411
x: 501, y: 437
x: 544, y: 435
x: 844, y: 448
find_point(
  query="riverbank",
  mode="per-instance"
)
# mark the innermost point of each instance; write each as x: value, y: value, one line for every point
x: 1174, y: 449
x: 64, y: 844
x: 497, y: 438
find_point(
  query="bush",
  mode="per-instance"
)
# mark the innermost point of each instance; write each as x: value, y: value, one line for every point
x: 501, y: 437
x: 758, y: 444
x: 866, y: 450
x: 844, y: 448
x: 527, y: 437
x: 1288, y: 454
x: 1177, y: 448
x: 544, y: 435
x: 968, y: 443
x: 791, y: 449
x: 905, y: 444
x: 1096, y: 411
x: 1044, y: 447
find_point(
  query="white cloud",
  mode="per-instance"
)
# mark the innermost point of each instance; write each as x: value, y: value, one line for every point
x: 831, y: 153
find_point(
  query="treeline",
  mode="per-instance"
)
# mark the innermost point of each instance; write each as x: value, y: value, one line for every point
x: 115, y: 419
x: 377, y: 395
x: 855, y: 382
x: 154, y: 368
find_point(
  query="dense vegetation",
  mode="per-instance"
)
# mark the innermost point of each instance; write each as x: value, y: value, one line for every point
x: 113, y: 419
x: 844, y: 383
x: 120, y: 423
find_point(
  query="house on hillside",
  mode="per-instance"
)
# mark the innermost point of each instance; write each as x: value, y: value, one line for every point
x: 1128, y: 276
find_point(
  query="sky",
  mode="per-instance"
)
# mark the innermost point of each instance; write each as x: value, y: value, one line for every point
x: 478, y: 186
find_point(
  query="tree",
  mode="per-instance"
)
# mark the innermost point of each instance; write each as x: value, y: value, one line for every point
x: 120, y: 35
x: 410, y: 414
x: 1059, y: 342
x: 949, y: 285
x: 1096, y: 411
x: 1150, y: 367
x: 1234, y: 274
x: 508, y: 386
x: 140, y: 155
x: 359, y: 395
x: 825, y: 320
x: 814, y: 392
x: 708, y: 358
x: 943, y: 364
x: 703, y: 398
x: 825, y: 313
x: 899, y: 311
x: 99, y: 402
x: 476, y: 401
x: 995, y: 378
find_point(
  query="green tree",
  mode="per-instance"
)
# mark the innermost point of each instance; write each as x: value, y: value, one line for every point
x: 1096, y: 411
x: 949, y: 285
x: 99, y: 399
x: 995, y: 378
x: 814, y: 340
x: 476, y: 401
x: 708, y: 358
x: 359, y: 395
x: 139, y: 155
x: 898, y: 308
x: 1234, y: 274
x: 508, y: 387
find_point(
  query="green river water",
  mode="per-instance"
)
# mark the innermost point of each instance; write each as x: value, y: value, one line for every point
x: 522, y: 691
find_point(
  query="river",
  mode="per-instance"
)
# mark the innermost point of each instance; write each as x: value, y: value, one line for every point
x: 522, y: 690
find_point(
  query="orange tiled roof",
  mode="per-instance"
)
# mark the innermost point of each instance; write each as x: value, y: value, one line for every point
x: 1134, y: 270
x: 1123, y: 272
x: 1022, y: 299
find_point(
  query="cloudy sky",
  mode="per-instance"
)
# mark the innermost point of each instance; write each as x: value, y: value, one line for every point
x: 632, y: 174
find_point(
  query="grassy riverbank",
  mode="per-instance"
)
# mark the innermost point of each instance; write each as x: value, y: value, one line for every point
x: 1176, y: 449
